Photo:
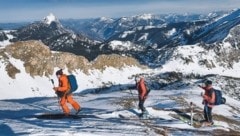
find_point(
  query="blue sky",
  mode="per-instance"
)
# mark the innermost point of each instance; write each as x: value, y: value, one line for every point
x: 32, y: 10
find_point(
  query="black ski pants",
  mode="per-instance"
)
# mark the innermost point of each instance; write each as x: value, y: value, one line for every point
x: 208, y: 113
x: 141, y: 105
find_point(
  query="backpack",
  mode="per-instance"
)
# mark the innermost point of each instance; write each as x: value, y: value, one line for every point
x: 73, y: 83
x: 218, y: 97
x: 147, y: 88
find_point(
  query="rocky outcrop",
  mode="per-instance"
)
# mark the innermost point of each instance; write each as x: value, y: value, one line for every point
x: 38, y: 60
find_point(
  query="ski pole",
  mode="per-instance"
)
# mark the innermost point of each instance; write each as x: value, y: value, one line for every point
x: 191, y: 106
x: 52, y: 81
x: 133, y: 97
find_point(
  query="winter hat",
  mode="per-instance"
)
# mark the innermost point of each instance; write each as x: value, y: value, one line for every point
x: 208, y: 82
x: 59, y: 72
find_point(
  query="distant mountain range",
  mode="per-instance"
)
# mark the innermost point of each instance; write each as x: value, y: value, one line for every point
x: 104, y: 28
x: 152, y: 39
x: 12, y: 26
x: 155, y: 45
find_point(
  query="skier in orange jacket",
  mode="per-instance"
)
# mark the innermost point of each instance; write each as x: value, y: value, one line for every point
x: 62, y: 90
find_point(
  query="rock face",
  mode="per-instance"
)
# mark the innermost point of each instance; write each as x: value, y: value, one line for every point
x: 38, y: 60
x: 3, y: 36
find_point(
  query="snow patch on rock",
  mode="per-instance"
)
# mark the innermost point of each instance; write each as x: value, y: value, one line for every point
x: 50, y: 18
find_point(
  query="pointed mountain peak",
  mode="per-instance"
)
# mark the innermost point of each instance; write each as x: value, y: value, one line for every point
x: 50, y: 18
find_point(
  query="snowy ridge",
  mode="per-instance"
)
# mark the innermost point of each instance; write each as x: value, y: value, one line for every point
x: 202, y: 61
x: 218, y: 29
x: 198, y: 61
x: 124, y: 46
x: 105, y: 19
x: 171, y: 32
x: 42, y: 87
x: 144, y: 16
x: 19, y: 63
x: 9, y: 37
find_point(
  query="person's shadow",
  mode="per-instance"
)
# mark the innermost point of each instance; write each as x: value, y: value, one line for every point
x: 6, y: 130
x: 134, y: 112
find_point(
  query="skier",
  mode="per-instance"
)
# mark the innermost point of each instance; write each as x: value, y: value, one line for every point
x: 62, y: 91
x: 208, y: 100
x: 142, y: 95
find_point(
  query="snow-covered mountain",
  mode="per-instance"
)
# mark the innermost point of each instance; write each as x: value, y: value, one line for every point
x: 54, y: 35
x: 217, y: 30
x: 182, y: 32
x: 156, y: 46
x: 147, y: 30
x: 5, y: 37
x: 104, y: 28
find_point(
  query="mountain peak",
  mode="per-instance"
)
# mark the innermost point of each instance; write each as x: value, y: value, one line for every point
x: 144, y: 16
x: 105, y: 19
x: 50, y: 18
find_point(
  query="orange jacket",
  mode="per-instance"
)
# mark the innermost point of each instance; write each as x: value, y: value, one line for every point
x: 209, y: 96
x: 142, y: 90
x: 63, y: 84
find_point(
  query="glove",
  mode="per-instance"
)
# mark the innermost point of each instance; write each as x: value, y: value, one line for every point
x: 204, y: 97
x: 140, y: 97
x: 55, y: 88
x: 145, y: 97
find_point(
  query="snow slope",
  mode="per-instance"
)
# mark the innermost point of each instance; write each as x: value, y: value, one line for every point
x: 42, y: 87
x: 101, y: 115
x: 187, y: 59
x: 104, y: 96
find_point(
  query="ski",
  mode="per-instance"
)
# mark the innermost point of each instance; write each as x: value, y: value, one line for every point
x: 137, y: 117
x: 187, y: 120
x: 52, y: 116
x: 57, y: 116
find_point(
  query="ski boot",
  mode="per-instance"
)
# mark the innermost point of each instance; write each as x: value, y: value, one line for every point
x: 144, y: 115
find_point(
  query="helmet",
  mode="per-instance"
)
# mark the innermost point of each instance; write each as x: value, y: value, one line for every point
x: 59, y: 72
x: 208, y: 82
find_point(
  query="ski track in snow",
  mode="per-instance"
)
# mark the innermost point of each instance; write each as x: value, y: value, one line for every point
x: 17, y: 116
